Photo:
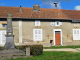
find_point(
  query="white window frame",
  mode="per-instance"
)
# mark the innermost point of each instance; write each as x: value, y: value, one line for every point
x: 75, y: 24
x: 37, y: 21
x: 1, y: 36
x: 75, y: 36
x: 37, y: 35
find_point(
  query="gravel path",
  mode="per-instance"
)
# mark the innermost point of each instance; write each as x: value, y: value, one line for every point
x: 63, y: 49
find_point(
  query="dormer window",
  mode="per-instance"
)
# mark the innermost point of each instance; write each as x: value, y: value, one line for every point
x: 37, y: 23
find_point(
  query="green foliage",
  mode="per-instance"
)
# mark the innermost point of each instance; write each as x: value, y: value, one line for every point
x: 53, y: 55
x: 36, y: 50
x: 1, y: 48
x: 22, y: 47
x: 56, y: 47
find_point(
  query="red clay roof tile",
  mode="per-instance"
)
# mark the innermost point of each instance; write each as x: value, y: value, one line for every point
x: 44, y: 13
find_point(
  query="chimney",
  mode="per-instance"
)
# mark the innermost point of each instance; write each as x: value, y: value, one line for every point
x: 36, y: 7
x: 20, y: 9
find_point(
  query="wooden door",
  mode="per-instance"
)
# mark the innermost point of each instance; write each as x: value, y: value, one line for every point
x: 57, y: 38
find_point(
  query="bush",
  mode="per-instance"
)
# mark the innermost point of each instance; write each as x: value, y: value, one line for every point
x: 36, y: 50
x: 22, y: 47
x: 1, y: 48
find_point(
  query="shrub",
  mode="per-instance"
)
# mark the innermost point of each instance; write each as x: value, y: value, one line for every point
x: 36, y: 50
x: 1, y: 48
x: 22, y: 47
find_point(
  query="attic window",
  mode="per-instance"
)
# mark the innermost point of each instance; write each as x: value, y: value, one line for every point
x: 58, y: 13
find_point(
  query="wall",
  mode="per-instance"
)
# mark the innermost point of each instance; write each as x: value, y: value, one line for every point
x: 67, y: 27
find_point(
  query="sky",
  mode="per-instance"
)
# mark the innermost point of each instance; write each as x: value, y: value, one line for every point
x: 49, y: 4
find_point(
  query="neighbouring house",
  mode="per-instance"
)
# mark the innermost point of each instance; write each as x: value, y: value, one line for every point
x: 40, y: 25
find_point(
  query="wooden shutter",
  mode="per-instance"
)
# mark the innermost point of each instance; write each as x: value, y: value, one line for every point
x: 40, y: 34
x: 74, y: 35
x: 77, y: 34
x: 3, y: 38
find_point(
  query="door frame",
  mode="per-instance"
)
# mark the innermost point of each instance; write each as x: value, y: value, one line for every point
x: 60, y: 35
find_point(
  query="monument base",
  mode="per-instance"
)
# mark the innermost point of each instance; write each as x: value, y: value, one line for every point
x: 9, y: 42
x: 12, y: 53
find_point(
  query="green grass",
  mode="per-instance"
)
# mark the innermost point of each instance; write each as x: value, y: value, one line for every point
x: 56, y: 47
x: 47, y: 55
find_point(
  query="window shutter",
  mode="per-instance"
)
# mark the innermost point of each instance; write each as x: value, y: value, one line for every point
x: 77, y: 35
x: 74, y: 34
x: 3, y: 36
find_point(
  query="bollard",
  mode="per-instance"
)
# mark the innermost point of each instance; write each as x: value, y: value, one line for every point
x: 28, y: 51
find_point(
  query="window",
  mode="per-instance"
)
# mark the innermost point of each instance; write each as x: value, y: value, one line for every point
x: 37, y: 23
x: 4, y: 25
x: 37, y: 34
x: 58, y: 23
x: 76, y: 34
x: 3, y: 37
x: 76, y: 24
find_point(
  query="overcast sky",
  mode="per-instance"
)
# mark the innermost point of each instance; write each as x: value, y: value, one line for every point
x: 62, y: 4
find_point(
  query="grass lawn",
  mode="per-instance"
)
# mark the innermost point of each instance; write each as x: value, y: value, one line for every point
x: 53, y: 55
x: 55, y: 47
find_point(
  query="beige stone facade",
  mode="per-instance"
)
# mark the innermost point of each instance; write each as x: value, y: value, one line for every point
x: 27, y: 33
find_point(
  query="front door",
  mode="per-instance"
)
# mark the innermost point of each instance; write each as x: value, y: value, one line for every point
x: 57, y: 38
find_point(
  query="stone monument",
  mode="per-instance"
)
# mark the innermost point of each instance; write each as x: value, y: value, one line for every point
x: 9, y: 34
x: 9, y: 50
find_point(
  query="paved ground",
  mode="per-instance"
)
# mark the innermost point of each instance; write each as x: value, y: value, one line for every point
x: 63, y: 49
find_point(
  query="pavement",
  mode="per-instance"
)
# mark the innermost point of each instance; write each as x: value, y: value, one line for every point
x: 64, y: 49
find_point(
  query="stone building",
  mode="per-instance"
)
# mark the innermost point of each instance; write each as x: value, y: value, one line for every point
x: 40, y: 25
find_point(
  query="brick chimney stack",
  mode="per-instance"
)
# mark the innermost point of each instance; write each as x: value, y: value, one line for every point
x: 20, y: 9
x: 36, y: 7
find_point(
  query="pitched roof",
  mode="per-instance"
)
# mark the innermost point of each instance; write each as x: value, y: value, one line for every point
x: 45, y: 13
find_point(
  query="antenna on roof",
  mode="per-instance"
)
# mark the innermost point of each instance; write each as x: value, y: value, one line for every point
x: 56, y: 4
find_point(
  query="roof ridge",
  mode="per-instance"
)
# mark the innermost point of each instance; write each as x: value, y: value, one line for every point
x: 40, y: 8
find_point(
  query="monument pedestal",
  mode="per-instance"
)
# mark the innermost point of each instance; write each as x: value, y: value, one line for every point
x: 9, y: 42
